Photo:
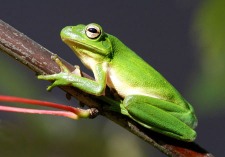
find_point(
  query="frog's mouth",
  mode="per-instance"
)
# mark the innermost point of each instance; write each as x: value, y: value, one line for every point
x: 83, y: 49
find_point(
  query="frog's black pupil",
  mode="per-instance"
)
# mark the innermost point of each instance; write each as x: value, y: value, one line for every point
x: 92, y: 30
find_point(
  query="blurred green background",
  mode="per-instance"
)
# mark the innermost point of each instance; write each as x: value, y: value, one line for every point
x: 184, y: 40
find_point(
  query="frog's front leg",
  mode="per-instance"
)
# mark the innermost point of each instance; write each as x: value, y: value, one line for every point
x: 67, y: 78
x: 64, y: 77
x: 161, y: 116
x: 60, y: 79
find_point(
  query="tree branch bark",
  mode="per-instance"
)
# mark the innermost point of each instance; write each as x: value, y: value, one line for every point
x: 38, y: 59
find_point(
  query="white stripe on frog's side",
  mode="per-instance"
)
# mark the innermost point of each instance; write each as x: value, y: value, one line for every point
x: 123, y: 89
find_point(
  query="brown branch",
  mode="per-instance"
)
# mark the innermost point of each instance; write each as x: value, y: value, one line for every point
x: 38, y: 59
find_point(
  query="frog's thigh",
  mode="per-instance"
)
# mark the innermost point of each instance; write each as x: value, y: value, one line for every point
x: 145, y: 111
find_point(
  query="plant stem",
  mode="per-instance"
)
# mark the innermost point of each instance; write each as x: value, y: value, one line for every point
x: 68, y: 111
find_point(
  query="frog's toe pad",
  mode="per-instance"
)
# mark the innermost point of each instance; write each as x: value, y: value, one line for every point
x: 47, y: 77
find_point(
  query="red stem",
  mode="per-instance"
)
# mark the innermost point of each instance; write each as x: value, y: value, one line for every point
x: 37, y: 111
x: 68, y: 111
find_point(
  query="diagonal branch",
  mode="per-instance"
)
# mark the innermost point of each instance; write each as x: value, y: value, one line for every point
x: 38, y: 59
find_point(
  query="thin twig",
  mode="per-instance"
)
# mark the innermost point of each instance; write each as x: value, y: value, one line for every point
x: 38, y: 59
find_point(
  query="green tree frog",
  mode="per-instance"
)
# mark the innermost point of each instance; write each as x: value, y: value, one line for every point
x: 147, y: 97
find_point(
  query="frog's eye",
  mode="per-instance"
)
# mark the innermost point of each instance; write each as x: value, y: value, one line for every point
x: 93, y: 31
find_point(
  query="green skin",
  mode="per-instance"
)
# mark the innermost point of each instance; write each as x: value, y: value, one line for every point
x: 148, y: 98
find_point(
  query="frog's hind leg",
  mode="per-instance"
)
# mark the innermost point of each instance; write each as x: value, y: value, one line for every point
x: 158, y: 115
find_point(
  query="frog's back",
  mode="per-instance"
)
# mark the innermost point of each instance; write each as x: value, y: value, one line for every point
x: 140, y: 77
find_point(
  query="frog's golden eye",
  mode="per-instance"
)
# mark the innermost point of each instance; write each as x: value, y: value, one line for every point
x: 93, y: 31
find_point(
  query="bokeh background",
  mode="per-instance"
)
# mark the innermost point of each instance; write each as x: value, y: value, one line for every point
x: 184, y: 40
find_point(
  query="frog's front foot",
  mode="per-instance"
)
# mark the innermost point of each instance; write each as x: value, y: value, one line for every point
x: 60, y: 79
